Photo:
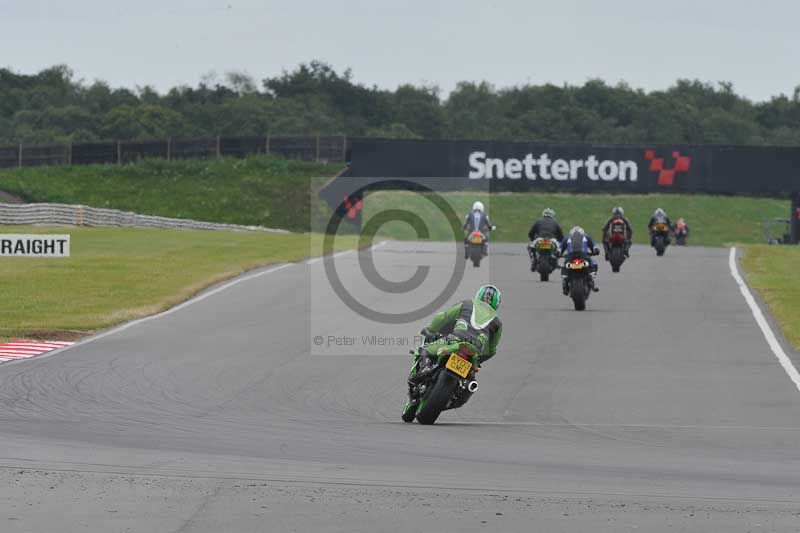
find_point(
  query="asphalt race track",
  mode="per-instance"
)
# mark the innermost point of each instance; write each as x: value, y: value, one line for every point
x: 660, y: 408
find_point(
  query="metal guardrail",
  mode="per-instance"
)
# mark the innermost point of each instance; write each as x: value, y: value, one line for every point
x: 320, y: 148
x: 80, y: 215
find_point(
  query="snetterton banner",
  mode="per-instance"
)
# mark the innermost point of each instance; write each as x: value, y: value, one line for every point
x: 577, y: 167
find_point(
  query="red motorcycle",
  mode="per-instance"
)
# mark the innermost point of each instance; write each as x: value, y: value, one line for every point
x: 681, y: 232
x: 616, y: 244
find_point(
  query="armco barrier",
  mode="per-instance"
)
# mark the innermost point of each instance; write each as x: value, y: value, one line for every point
x: 79, y: 215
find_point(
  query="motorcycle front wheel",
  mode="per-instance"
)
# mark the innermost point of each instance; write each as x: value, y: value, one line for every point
x: 436, y: 397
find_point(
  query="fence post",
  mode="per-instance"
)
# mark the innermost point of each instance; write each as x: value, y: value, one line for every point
x: 119, y: 152
x: 19, y: 156
x: 317, y: 151
x: 69, y: 154
x: 344, y: 148
x: 794, y: 228
x: 267, y: 144
x: 218, y: 147
x: 169, y: 148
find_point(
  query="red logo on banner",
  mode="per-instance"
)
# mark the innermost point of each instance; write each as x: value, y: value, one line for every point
x: 352, y: 208
x: 666, y: 176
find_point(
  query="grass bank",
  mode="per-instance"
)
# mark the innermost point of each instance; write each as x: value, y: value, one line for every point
x: 772, y: 271
x: 115, y: 275
x: 261, y: 190
x: 714, y: 220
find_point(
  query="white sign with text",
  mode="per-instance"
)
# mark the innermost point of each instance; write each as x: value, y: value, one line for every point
x: 13, y: 245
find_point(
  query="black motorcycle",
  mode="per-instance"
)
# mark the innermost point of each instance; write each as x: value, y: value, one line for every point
x: 579, y: 281
x: 447, y: 384
x: 544, y: 256
x: 660, y: 237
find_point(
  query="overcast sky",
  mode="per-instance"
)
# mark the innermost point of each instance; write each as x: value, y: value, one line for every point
x: 649, y: 44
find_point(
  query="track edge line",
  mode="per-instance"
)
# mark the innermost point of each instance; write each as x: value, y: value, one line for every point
x: 766, y: 329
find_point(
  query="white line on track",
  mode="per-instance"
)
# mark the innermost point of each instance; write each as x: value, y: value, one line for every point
x: 772, y: 340
x: 315, y: 260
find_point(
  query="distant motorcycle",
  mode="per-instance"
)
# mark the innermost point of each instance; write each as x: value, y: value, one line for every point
x: 616, y: 243
x: 660, y: 237
x: 681, y: 232
x: 448, y: 385
x: 579, y: 281
x: 476, y: 243
x: 544, y: 256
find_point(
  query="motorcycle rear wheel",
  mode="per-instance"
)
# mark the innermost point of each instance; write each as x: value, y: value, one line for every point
x: 578, y: 294
x: 616, y: 258
x: 475, y: 255
x: 659, y: 245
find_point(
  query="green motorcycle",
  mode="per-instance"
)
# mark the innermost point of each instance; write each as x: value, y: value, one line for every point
x: 446, y: 384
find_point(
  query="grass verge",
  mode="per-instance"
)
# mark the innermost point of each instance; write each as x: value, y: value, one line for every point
x: 714, y: 220
x: 118, y: 274
x: 260, y: 190
x: 772, y: 271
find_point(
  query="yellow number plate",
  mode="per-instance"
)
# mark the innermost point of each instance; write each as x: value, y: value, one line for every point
x: 458, y: 365
x: 661, y: 227
x: 545, y: 246
x: 477, y: 239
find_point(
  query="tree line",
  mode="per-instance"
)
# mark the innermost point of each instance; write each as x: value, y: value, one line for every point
x: 52, y: 106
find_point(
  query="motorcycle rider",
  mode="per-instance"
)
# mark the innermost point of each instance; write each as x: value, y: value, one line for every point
x: 472, y: 322
x: 579, y: 244
x: 659, y: 217
x: 546, y: 228
x: 617, y: 214
x: 477, y: 219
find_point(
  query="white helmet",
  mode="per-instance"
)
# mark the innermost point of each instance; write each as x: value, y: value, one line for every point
x: 659, y: 211
x: 548, y: 213
x: 477, y: 206
x: 576, y: 228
